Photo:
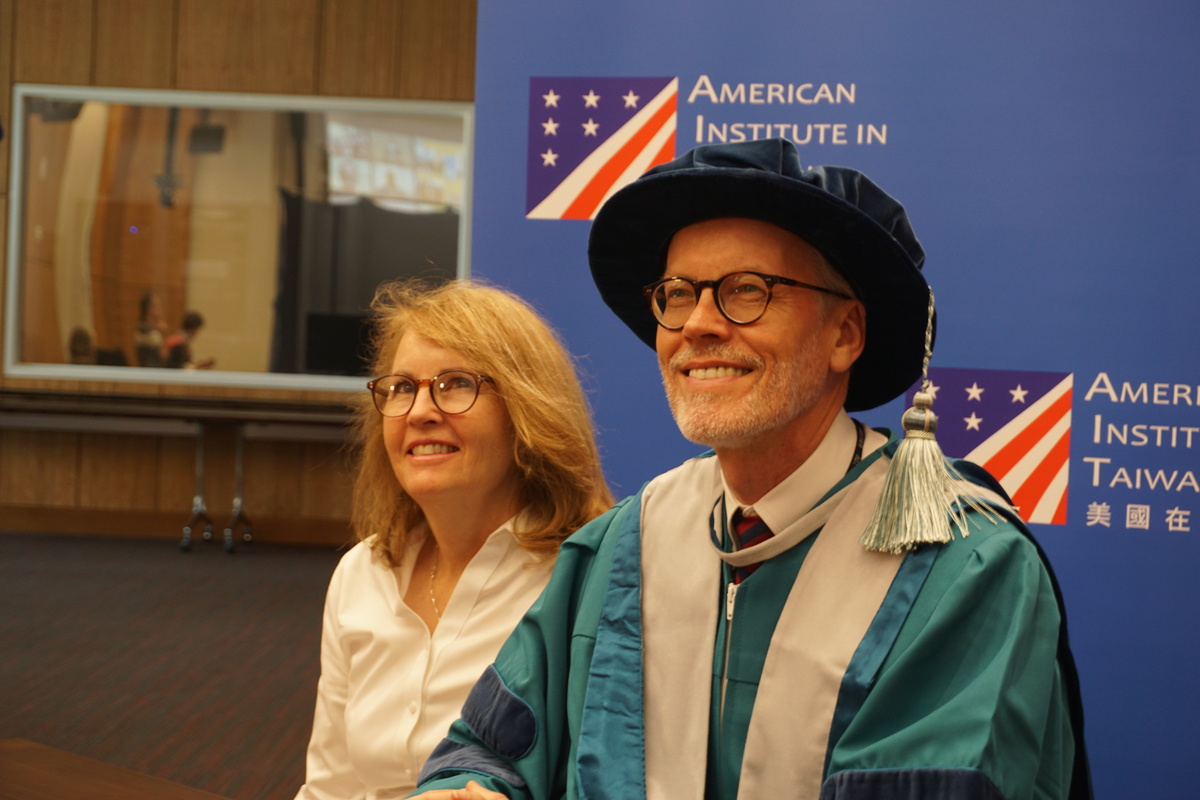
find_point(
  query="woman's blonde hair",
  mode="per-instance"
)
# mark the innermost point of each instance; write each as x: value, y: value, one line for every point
x: 500, y: 335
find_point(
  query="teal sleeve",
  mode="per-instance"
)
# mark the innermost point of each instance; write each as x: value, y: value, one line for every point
x: 972, y: 681
x: 519, y: 727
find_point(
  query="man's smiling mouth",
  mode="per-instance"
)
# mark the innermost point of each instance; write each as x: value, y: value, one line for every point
x: 710, y: 373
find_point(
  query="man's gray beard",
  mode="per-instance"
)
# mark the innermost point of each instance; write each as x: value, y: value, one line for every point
x: 715, y: 421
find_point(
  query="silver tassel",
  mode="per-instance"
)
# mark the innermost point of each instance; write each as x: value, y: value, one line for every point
x: 919, y: 502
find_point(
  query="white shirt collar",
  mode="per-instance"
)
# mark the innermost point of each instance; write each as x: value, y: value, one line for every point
x: 796, y: 494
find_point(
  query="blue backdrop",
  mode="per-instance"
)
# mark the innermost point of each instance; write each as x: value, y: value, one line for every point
x: 1049, y: 158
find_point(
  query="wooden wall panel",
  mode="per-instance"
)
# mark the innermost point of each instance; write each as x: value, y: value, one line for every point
x: 265, y: 493
x: 326, y: 478
x: 176, y: 477
x: 53, y: 41
x: 248, y: 46
x: 358, y: 48
x: 135, y: 43
x: 297, y: 479
x: 39, y: 468
x: 118, y: 471
x: 435, y: 50
x: 410, y: 49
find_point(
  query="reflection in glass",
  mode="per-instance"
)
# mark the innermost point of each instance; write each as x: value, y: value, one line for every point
x: 251, y: 231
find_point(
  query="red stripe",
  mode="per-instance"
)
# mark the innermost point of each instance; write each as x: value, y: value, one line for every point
x: 1027, y: 497
x: 1008, y: 456
x: 592, y: 195
x: 666, y: 153
x: 1060, y: 513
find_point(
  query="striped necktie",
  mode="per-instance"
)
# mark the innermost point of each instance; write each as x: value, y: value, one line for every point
x: 750, y: 531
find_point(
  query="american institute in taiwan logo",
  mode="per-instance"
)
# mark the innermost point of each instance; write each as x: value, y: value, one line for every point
x: 1016, y: 425
x: 588, y: 137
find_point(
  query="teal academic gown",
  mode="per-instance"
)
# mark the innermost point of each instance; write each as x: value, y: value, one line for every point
x: 962, y: 687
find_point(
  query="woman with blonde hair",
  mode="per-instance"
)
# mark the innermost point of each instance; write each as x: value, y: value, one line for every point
x: 476, y: 458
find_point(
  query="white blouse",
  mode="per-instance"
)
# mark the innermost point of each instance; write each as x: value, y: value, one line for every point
x: 388, y: 690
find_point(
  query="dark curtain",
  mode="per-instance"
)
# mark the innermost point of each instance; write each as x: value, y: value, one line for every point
x: 331, y: 259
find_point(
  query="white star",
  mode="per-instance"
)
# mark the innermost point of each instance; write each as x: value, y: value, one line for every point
x: 631, y: 99
x: 974, y: 392
x: 1018, y: 394
x: 551, y: 99
x: 972, y: 422
x: 551, y: 127
x: 590, y: 127
x: 549, y: 157
x: 933, y: 390
x: 591, y: 100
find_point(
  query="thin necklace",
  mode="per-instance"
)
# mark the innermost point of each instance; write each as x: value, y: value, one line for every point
x: 433, y: 576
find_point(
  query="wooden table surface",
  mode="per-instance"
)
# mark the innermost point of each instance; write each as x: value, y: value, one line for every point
x: 31, y: 771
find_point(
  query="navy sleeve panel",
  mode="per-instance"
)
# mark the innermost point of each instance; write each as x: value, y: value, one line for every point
x: 501, y: 720
x: 504, y: 726
x: 457, y: 758
x: 910, y: 784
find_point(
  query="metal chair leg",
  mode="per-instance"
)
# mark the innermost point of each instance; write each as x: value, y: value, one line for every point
x: 239, y: 514
x: 199, y: 510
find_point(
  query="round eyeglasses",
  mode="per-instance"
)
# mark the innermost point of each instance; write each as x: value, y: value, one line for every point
x: 742, y: 297
x: 453, y: 392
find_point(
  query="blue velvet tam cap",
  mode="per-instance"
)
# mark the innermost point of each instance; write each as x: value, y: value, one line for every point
x: 862, y: 231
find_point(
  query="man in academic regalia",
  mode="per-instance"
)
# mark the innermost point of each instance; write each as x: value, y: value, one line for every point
x: 813, y: 609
